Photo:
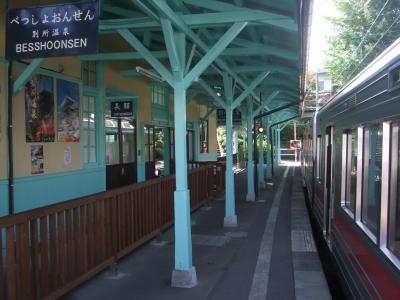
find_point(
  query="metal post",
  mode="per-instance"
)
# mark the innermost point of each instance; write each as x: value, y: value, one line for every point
x: 250, y: 164
x: 261, y: 180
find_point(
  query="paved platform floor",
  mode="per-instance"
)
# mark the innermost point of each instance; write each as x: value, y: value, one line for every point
x: 270, y: 255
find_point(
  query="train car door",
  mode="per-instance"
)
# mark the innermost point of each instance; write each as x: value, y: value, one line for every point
x: 329, y: 178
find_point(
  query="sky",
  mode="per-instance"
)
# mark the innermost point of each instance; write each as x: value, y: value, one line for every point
x: 320, y: 31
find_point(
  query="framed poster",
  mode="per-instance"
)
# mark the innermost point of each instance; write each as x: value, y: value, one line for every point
x: 68, y: 125
x: 39, y: 109
x: 37, y: 159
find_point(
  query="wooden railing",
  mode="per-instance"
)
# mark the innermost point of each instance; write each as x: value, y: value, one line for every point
x: 50, y: 250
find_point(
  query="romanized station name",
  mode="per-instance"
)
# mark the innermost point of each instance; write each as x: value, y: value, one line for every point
x: 51, y: 45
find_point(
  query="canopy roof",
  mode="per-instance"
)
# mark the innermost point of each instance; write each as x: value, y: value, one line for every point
x: 269, y: 52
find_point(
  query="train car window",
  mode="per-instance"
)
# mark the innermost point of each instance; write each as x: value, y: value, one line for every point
x: 318, y: 164
x: 394, y: 206
x: 351, y: 169
x: 372, y: 177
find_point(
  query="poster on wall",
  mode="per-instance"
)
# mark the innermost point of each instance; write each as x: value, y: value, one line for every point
x: 68, y: 129
x: 39, y: 109
x: 37, y: 165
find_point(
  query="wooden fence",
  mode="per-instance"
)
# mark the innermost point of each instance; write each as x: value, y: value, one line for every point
x: 48, y: 251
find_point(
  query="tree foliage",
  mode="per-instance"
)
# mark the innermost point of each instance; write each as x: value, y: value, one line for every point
x: 355, y: 42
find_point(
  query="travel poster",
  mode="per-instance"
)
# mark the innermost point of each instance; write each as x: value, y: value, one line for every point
x: 39, y: 109
x: 68, y: 128
x: 37, y: 165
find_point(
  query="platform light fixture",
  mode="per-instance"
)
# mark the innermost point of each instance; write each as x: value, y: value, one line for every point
x: 148, y: 74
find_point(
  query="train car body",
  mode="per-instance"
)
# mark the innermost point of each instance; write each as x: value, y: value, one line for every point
x: 351, y: 172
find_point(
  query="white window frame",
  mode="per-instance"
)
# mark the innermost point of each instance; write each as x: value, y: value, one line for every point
x: 318, y: 158
x: 87, y: 145
x: 388, y: 174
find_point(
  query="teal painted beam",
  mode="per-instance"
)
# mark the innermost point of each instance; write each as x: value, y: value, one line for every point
x: 27, y: 74
x: 273, y: 50
x: 214, y: 52
x: 180, y: 39
x: 178, y: 23
x: 196, y: 21
x: 274, y: 19
x: 265, y: 102
x: 146, y: 9
x: 250, y: 88
x: 212, y: 93
x: 122, y: 56
x: 135, y: 43
x: 259, y: 51
x: 191, y: 55
x: 170, y: 44
x: 119, y: 11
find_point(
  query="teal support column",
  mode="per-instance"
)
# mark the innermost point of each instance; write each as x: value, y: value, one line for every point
x: 269, y: 149
x: 278, y: 137
x: 184, y: 273
x: 250, y: 163
x: 275, y: 147
x: 230, y: 219
x: 166, y: 152
x: 261, y: 179
x: 183, y: 241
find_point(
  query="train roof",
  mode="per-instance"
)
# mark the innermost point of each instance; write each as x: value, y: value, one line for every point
x: 377, y: 65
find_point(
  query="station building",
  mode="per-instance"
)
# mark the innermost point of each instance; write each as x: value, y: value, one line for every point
x: 106, y: 153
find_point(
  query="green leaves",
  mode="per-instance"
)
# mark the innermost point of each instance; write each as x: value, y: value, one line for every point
x: 362, y: 31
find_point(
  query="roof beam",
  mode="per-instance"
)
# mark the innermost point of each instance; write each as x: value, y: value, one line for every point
x: 274, y: 19
x: 214, y: 52
x: 154, y: 62
x: 265, y: 102
x: 250, y: 88
x: 170, y: 44
x: 204, y: 20
x: 122, y: 56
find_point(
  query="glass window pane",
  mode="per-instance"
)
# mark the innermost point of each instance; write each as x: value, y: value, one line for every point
x: 92, y: 154
x: 85, y: 103
x: 92, y: 139
x: 91, y: 104
x: 85, y: 155
x: 84, y: 138
x: 128, y: 142
x: 352, y: 171
x: 372, y: 176
x: 394, y: 209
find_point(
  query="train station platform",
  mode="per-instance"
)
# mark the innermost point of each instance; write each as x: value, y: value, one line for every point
x: 270, y: 255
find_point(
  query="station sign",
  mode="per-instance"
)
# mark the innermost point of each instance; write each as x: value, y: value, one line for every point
x: 54, y: 30
x: 236, y: 117
x: 120, y: 109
